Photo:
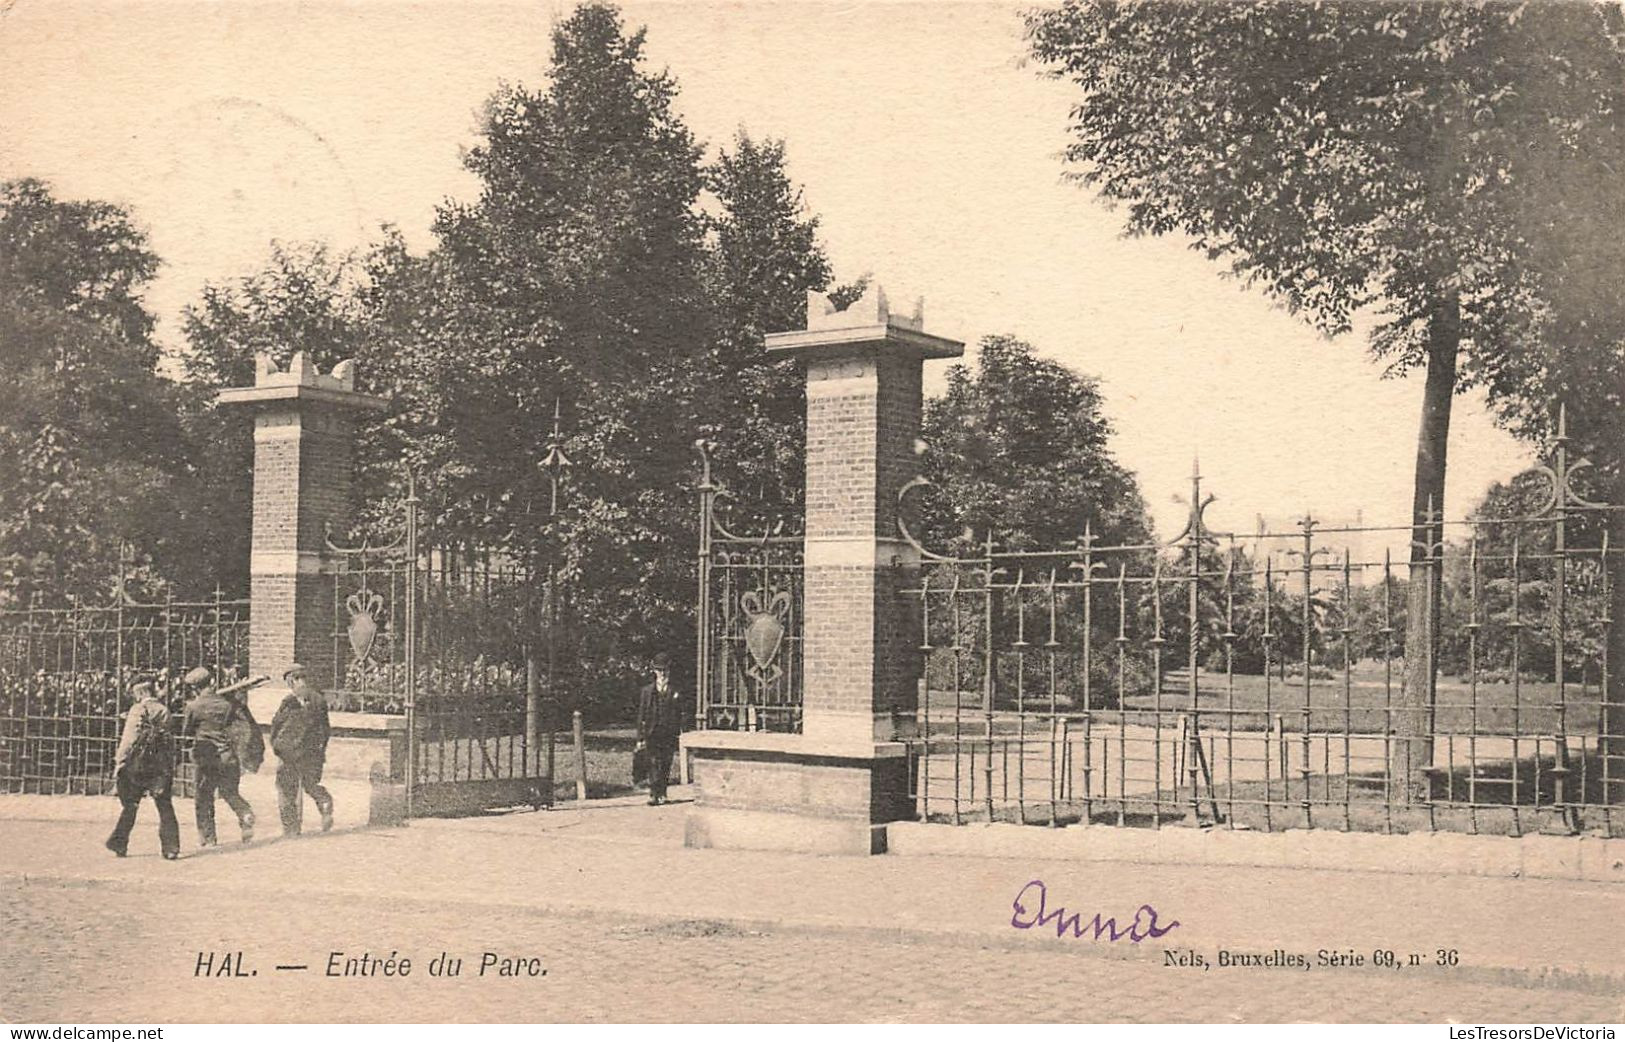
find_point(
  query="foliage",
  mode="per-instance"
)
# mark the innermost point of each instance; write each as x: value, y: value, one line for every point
x: 91, y: 461
x: 1016, y: 451
x: 765, y: 257
x: 84, y: 259
x: 1511, y: 550
x: 1018, y: 448
x: 592, y: 276
x: 1342, y: 155
x: 1436, y: 161
x: 766, y: 245
x: 1569, y: 202
x: 303, y: 299
x: 581, y: 275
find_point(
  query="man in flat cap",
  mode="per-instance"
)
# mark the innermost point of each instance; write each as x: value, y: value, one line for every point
x: 145, y: 766
x: 299, y: 733
x: 660, y: 720
x: 211, y: 718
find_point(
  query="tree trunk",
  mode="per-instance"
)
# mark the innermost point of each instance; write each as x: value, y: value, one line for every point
x: 1412, y: 723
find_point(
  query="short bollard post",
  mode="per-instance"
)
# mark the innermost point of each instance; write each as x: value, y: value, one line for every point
x: 581, y: 755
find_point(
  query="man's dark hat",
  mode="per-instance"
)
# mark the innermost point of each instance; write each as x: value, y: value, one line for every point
x: 662, y: 661
x: 140, y: 682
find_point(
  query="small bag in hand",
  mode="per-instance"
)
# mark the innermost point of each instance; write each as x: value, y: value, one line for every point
x: 640, y: 765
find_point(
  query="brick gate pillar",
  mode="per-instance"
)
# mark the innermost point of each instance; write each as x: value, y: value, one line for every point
x: 304, y: 444
x: 861, y: 641
x: 828, y: 788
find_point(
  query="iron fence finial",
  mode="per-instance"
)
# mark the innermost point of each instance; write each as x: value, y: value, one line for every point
x: 703, y: 447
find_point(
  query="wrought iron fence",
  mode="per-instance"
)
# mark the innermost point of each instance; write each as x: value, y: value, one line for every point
x: 1195, y: 683
x: 65, y: 675
x: 749, y: 623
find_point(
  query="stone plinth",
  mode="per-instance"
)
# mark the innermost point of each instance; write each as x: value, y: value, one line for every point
x: 787, y: 792
x: 847, y: 771
x: 358, y: 740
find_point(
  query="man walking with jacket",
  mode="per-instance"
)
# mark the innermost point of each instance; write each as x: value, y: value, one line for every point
x: 299, y: 733
x: 660, y: 720
x: 145, y: 766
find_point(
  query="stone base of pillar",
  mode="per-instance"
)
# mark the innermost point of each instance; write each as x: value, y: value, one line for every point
x: 757, y: 791
x: 361, y: 740
x: 826, y: 728
x: 357, y: 743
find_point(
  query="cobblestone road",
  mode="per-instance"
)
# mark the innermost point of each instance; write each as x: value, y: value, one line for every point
x: 98, y: 951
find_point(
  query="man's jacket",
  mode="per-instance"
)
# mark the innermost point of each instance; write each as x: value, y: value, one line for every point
x: 220, y: 725
x: 160, y: 761
x: 298, y: 731
x: 660, y: 716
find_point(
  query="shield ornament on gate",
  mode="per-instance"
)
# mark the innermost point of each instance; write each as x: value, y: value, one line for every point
x: 764, y: 633
x: 364, y: 608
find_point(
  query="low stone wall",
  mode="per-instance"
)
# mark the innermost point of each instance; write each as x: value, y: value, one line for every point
x: 1582, y: 858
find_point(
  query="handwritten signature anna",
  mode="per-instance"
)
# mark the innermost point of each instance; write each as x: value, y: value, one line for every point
x: 1031, y: 910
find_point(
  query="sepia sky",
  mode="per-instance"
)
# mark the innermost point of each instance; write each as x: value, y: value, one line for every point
x: 928, y: 150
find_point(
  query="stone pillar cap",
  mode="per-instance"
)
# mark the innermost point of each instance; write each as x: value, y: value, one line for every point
x: 867, y: 323
x: 302, y: 382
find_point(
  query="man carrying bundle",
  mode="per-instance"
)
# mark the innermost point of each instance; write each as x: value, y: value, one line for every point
x: 227, y: 743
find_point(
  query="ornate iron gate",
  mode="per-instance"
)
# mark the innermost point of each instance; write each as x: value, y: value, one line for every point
x: 446, y: 639
x: 749, y: 623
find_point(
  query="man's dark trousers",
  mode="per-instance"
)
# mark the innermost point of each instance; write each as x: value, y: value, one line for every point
x: 169, y: 828
x: 661, y: 749
x: 291, y: 777
x: 216, y: 774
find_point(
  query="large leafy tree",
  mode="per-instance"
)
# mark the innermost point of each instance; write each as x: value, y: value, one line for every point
x: 579, y: 277
x: 1569, y: 210
x: 83, y: 258
x: 1016, y: 450
x: 302, y: 299
x: 1018, y: 446
x: 592, y: 271
x: 89, y: 447
x: 1352, y: 155
x: 765, y: 256
x: 1505, y: 571
x: 767, y: 250
x: 591, y: 275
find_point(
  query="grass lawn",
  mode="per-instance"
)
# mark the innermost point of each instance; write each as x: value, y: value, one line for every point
x: 608, y: 761
x: 1364, y: 705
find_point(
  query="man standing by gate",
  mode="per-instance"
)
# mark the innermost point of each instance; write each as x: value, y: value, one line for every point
x: 213, y: 719
x: 145, y: 766
x: 299, y: 733
x: 660, y: 716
